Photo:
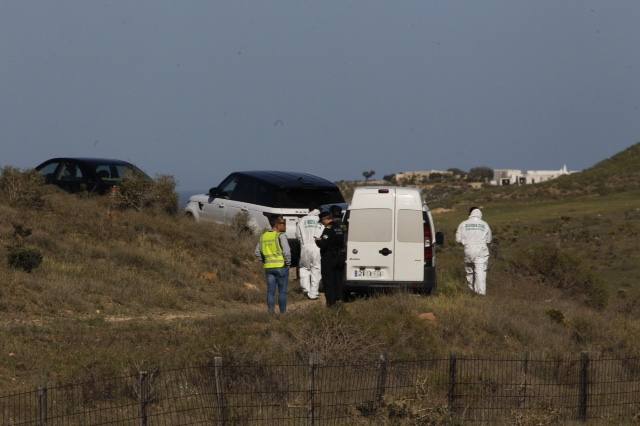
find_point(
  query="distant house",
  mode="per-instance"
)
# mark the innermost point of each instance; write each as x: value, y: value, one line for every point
x: 518, y: 177
x: 419, y: 176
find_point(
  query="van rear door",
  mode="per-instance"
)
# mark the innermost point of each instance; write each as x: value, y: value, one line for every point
x: 370, y: 244
x: 409, y: 256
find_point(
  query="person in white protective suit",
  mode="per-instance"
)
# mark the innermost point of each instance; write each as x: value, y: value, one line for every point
x: 308, y: 229
x: 474, y: 234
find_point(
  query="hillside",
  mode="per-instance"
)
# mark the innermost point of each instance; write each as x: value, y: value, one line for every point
x: 620, y: 173
x: 121, y: 289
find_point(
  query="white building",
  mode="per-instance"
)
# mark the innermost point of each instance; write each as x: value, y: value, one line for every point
x: 518, y: 177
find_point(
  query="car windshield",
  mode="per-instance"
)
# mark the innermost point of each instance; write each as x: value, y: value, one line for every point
x: 109, y: 172
x: 306, y: 197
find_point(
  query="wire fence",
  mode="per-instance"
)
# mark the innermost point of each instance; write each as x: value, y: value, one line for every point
x: 459, y: 389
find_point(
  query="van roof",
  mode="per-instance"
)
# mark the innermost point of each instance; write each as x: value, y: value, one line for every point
x: 365, y: 197
x: 289, y: 179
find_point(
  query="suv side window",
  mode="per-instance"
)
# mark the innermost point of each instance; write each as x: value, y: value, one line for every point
x: 70, y: 172
x: 49, y: 171
x: 265, y: 194
x: 245, y: 191
x: 228, y: 186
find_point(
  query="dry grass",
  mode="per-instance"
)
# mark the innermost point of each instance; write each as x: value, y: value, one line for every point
x: 120, y: 288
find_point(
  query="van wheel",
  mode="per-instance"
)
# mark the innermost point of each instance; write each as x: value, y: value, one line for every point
x: 190, y: 216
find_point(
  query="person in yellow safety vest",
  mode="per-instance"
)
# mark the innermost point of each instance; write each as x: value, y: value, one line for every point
x: 275, y: 254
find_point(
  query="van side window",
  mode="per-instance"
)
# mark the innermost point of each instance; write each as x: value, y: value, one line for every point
x: 371, y: 225
x: 410, y: 225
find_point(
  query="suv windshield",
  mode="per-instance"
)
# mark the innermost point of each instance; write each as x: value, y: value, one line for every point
x: 306, y: 197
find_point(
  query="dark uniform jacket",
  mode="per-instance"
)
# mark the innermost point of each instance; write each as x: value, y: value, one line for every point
x: 331, y: 244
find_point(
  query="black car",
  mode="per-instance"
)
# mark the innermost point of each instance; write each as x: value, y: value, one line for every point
x: 94, y: 175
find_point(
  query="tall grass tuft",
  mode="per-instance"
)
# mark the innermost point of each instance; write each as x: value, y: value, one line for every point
x: 22, y: 188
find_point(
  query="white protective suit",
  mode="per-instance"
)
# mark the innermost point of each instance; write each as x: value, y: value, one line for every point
x: 308, y: 229
x: 474, y: 233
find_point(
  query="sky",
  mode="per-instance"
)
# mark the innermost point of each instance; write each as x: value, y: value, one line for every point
x: 201, y: 88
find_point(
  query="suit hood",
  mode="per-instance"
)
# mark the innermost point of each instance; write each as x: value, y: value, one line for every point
x: 476, y: 213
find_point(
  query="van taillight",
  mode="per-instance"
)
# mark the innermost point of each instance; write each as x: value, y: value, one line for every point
x: 428, y: 243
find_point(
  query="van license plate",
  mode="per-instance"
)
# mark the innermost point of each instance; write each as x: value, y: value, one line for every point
x: 367, y: 273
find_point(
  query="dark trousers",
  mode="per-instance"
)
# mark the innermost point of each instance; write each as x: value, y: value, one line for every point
x: 332, y: 281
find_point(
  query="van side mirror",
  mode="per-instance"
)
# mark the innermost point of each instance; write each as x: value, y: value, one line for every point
x: 439, y: 238
x: 213, y: 192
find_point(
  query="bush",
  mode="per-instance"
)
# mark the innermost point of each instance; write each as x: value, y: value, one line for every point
x: 241, y: 226
x: 139, y: 193
x: 24, y: 258
x: 22, y: 188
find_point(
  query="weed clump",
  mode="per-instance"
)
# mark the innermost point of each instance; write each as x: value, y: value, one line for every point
x: 139, y: 193
x: 19, y: 256
x: 22, y: 188
x: 241, y: 225
x: 555, y: 315
x: 24, y: 258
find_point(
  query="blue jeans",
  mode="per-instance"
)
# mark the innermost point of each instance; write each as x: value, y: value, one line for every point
x: 277, y: 278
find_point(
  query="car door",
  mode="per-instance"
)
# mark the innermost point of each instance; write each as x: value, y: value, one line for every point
x: 242, y: 199
x: 215, y: 209
x: 371, y: 240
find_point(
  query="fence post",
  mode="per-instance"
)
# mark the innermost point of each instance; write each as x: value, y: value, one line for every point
x: 381, y: 382
x: 525, y: 373
x: 453, y: 371
x: 584, y: 386
x: 217, y: 371
x: 143, y: 396
x: 313, y: 371
x: 42, y: 406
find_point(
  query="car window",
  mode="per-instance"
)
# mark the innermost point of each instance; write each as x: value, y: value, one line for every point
x: 305, y: 197
x: 114, y: 172
x: 264, y: 194
x: 370, y: 225
x: 410, y: 226
x: 244, y: 191
x: 228, y: 186
x: 49, y: 170
x: 70, y: 172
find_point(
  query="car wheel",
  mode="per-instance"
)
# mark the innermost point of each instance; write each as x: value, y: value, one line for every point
x: 190, y: 216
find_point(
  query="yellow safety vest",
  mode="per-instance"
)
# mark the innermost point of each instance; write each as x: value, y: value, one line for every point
x: 271, y: 250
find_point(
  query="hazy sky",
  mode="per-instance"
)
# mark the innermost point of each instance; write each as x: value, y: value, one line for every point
x: 198, y: 89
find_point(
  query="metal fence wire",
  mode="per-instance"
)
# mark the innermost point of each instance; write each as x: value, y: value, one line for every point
x: 456, y: 388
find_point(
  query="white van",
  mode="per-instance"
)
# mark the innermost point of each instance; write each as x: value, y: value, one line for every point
x: 390, y: 240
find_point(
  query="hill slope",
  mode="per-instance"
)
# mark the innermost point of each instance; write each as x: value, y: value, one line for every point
x: 620, y: 173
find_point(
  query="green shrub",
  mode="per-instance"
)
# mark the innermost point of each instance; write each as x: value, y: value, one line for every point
x: 555, y: 315
x: 139, y: 193
x: 22, y: 188
x: 24, y: 258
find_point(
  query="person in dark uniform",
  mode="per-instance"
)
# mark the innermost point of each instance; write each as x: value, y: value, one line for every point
x: 336, y: 213
x: 331, y: 244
